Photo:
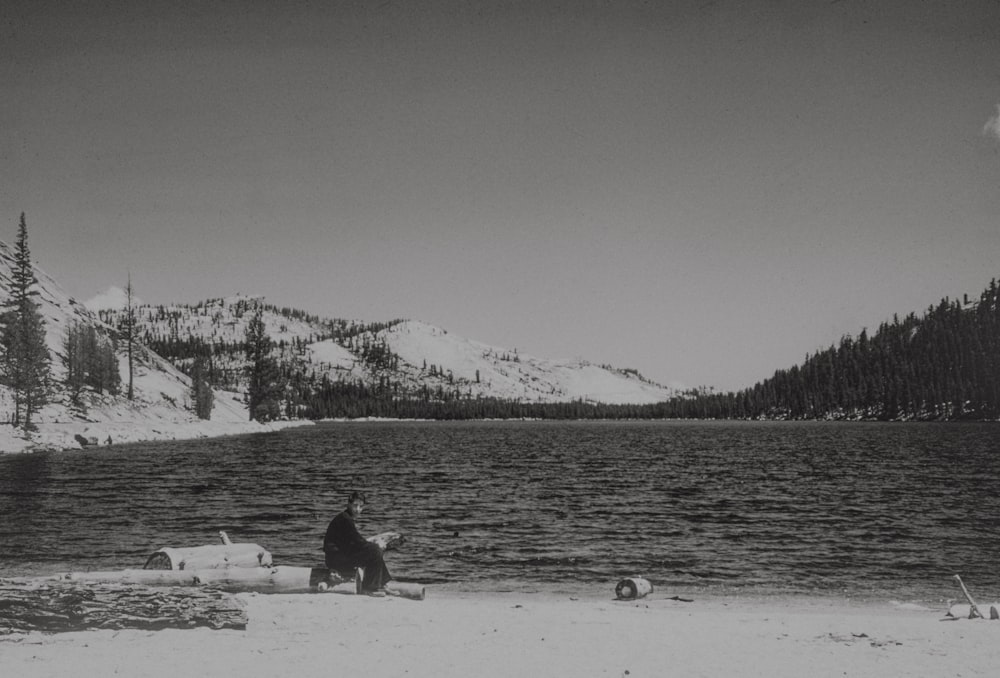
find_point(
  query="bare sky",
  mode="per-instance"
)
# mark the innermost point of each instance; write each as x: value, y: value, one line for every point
x: 705, y: 191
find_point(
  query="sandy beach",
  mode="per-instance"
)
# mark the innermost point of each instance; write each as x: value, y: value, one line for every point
x: 523, y: 634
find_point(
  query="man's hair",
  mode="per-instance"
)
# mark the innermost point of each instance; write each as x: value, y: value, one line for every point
x: 357, y: 497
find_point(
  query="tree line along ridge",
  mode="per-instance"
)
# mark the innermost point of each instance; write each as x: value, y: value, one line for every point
x: 943, y: 365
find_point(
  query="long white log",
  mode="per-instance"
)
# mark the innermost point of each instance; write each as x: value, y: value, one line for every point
x: 277, y: 579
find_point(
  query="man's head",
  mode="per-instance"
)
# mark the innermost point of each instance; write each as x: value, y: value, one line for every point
x: 355, y: 503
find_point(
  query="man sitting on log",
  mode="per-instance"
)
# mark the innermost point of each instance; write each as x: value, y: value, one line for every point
x: 346, y: 549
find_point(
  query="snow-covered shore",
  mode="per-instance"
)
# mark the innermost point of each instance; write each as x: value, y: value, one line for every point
x: 70, y: 436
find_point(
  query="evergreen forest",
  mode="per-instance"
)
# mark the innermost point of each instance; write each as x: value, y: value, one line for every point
x: 943, y: 365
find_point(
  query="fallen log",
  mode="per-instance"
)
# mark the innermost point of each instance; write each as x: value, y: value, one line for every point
x: 226, y: 554
x: 209, y: 557
x: 226, y: 577
x: 59, y: 606
x: 276, y: 579
x: 966, y: 611
x: 406, y: 590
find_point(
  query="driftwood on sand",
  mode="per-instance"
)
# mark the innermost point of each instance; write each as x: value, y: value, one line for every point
x: 226, y: 554
x: 276, y: 579
x: 57, y: 606
x: 177, y: 588
x: 972, y: 610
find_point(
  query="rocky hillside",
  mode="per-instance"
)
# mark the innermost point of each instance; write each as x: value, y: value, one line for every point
x: 408, y: 358
x: 395, y: 359
x: 161, y: 404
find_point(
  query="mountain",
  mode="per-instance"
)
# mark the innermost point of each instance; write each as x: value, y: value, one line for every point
x: 160, y: 408
x: 405, y: 359
x: 111, y: 298
x: 380, y: 361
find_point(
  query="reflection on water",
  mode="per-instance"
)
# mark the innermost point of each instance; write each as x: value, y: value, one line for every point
x: 882, y: 510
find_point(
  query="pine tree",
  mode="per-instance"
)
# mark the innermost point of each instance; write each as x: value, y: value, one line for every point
x: 201, y: 393
x: 90, y: 360
x: 110, y: 374
x: 25, y: 366
x: 75, y: 359
x: 128, y: 327
x: 264, y: 380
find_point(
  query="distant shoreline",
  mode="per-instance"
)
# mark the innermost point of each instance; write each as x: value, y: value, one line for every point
x: 61, y: 437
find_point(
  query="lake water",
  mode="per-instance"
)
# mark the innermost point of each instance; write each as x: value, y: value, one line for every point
x: 863, y: 510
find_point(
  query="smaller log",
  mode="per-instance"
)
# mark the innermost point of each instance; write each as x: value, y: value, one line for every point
x: 404, y: 589
x: 209, y: 557
x: 399, y: 589
x: 632, y: 588
x: 351, y: 588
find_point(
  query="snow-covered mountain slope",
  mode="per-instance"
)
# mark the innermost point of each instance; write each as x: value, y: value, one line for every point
x: 413, y: 356
x: 161, y: 392
x: 482, y: 369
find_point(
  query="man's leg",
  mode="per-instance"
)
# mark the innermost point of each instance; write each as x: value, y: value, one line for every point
x: 376, y: 573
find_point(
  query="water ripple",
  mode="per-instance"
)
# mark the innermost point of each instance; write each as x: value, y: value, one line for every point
x: 878, y: 509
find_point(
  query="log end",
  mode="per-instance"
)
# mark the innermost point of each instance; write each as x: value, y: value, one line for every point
x: 160, y: 560
x: 406, y: 590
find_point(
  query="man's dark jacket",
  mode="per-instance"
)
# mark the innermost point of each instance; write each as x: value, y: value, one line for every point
x: 346, y: 549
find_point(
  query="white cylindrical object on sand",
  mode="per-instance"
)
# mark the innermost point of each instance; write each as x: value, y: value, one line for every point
x: 632, y: 588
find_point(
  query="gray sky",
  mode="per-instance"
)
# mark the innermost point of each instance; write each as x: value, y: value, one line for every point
x: 705, y: 191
